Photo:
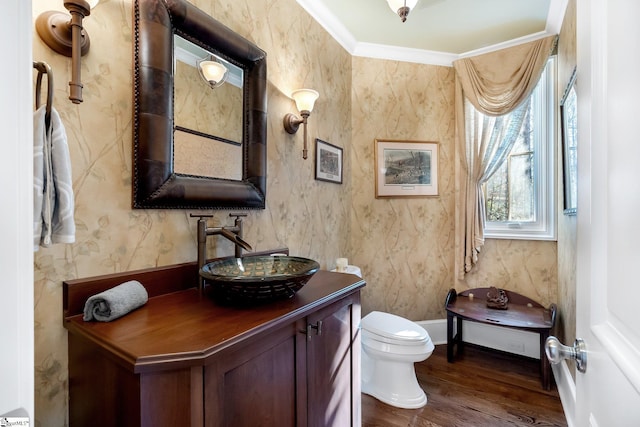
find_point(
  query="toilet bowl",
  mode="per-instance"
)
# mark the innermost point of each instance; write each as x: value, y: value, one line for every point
x: 390, y: 346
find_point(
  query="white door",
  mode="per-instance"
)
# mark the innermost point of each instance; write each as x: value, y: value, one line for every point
x: 16, y: 213
x: 608, y: 272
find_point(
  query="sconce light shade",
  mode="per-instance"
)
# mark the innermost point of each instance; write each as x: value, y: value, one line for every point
x: 305, y: 100
x: 66, y: 36
x: 212, y: 72
x: 402, y: 7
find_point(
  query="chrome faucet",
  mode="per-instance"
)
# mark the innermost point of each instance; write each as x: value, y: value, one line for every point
x: 233, y: 233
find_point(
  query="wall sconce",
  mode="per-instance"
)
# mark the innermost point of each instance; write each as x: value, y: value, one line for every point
x: 305, y: 99
x: 402, y: 7
x: 213, y: 72
x: 65, y: 35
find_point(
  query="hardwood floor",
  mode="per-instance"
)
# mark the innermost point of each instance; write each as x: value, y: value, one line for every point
x: 481, y: 388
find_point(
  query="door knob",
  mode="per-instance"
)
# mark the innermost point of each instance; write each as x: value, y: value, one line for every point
x: 556, y: 352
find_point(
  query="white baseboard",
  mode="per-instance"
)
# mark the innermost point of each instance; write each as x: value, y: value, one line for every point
x: 514, y: 341
x: 437, y: 330
x: 567, y: 391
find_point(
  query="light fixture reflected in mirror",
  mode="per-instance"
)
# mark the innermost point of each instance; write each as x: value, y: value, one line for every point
x: 213, y: 72
x: 65, y: 35
x: 402, y: 7
x: 305, y: 100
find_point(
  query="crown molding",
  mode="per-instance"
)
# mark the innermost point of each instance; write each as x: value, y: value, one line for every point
x: 343, y: 36
x: 555, y: 17
x: 506, y: 44
x: 405, y: 54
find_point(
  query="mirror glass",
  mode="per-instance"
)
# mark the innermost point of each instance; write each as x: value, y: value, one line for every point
x: 207, y: 121
x: 569, y: 117
x: 196, y: 146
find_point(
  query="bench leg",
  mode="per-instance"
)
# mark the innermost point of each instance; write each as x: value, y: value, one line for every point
x: 545, y: 366
x: 453, y: 339
x: 450, y: 337
x: 459, y: 340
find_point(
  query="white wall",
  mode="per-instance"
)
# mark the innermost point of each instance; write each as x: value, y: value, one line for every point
x: 16, y: 256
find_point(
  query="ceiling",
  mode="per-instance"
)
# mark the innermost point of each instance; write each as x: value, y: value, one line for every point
x: 436, y: 31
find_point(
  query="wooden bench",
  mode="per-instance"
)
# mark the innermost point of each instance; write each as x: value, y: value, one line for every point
x: 523, y: 313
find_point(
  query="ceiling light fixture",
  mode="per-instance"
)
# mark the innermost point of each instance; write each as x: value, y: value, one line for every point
x: 305, y: 99
x: 402, y: 7
x: 66, y: 36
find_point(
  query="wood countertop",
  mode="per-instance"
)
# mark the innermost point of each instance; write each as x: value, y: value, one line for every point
x: 184, y: 327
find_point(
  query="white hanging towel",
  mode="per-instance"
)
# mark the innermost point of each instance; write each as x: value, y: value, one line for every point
x: 53, y: 200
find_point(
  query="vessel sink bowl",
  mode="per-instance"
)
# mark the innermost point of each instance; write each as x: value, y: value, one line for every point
x: 255, y: 279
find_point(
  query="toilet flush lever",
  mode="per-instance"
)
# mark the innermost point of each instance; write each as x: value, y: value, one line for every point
x: 317, y: 327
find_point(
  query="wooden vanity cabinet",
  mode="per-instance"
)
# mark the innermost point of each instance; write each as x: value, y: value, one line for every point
x: 290, y: 377
x: 289, y: 363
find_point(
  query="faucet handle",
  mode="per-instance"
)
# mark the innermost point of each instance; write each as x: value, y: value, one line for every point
x: 201, y: 216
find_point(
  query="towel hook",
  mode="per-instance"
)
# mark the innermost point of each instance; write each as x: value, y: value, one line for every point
x: 44, y: 68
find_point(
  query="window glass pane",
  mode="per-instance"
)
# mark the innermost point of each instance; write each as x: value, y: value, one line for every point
x: 519, y: 197
x: 510, y: 191
x: 496, y: 191
x: 521, y: 188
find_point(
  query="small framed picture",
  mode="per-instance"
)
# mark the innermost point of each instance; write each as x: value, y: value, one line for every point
x: 328, y: 162
x: 406, y: 168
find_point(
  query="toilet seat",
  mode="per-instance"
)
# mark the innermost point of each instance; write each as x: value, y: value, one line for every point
x: 392, y: 329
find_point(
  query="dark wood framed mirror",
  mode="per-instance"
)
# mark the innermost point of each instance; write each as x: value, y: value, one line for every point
x: 155, y: 182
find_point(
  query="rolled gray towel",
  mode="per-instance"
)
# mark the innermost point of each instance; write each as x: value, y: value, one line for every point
x: 115, y: 302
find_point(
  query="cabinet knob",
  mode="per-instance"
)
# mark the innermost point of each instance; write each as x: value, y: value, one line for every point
x: 310, y: 327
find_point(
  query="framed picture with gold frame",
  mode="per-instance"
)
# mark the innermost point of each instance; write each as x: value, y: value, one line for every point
x: 406, y: 168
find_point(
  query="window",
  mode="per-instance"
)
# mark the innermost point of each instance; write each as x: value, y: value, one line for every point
x: 520, y: 196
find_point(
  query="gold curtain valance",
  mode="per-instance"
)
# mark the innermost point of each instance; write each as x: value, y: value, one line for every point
x: 497, y: 82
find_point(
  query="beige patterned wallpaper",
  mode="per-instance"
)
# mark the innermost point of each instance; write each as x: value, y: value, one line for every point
x: 567, y: 239
x: 310, y: 217
x: 404, y: 246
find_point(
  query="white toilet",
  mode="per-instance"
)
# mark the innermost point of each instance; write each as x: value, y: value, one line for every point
x: 391, y: 345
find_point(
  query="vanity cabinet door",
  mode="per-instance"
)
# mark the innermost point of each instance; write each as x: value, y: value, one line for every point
x: 254, y: 383
x: 306, y: 373
x: 333, y: 365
